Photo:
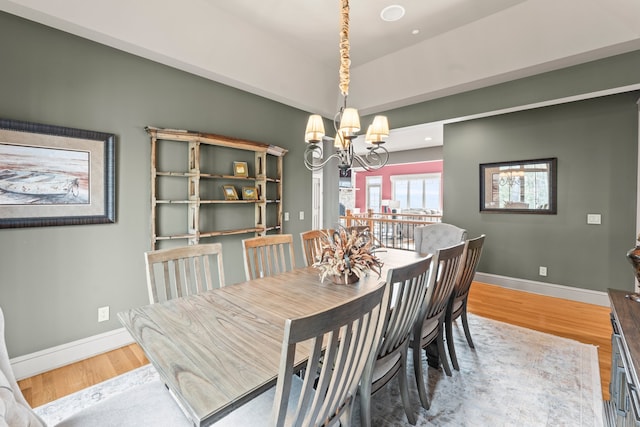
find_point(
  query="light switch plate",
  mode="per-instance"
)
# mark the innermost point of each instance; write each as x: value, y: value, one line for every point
x: 103, y: 314
x: 594, y: 219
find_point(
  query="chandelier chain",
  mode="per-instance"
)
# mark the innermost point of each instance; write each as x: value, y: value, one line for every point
x: 345, y: 61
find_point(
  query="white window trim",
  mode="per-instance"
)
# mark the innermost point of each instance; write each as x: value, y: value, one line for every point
x: 423, y: 176
x: 366, y: 190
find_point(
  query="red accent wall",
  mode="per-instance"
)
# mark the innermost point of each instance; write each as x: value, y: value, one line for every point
x: 386, y: 172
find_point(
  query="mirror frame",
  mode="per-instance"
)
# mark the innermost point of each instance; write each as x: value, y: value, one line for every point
x: 488, y: 169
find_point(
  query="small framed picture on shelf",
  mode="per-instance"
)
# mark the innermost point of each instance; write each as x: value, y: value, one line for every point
x: 249, y: 193
x: 240, y: 169
x: 229, y: 192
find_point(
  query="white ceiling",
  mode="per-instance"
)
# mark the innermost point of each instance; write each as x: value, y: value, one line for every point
x: 287, y: 50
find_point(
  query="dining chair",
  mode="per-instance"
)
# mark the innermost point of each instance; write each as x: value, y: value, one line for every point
x: 457, y: 306
x: 347, y: 336
x: 268, y: 255
x: 428, y: 331
x: 312, y: 244
x: 182, y: 271
x: 408, y: 288
x: 431, y: 237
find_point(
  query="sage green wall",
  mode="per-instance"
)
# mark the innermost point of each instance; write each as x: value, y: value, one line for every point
x: 53, y: 279
x: 596, y: 143
x: 605, y: 163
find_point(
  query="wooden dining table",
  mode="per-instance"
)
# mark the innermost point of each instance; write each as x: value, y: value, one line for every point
x: 219, y: 349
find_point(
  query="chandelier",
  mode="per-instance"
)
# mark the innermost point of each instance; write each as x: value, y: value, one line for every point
x: 511, y: 177
x: 346, y: 123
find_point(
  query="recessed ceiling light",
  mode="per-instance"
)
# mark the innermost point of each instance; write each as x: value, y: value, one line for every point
x: 392, y: 13
x: 414, y: 32
x: 428, y: 138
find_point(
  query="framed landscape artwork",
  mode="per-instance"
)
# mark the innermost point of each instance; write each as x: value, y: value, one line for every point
x: 53, y: 175
x: 229, y: 192
x: 249, y: 193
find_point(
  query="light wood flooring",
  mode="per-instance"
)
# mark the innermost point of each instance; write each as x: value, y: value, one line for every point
x: 586, y: 323
x: 581, y: 322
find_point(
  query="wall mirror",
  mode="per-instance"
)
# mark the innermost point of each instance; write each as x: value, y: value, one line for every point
x: 525, y: 186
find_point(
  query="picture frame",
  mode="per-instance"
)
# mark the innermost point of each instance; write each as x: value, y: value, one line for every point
x: 229, y: 192
x: 53, y: 175
x: 240, y: 169
x: 522, y: 186
x: 249, y: 193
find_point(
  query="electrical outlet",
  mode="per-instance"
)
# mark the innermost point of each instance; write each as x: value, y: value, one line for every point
x: 103, y: 314
x: 301, y: 215
x: 543, y: 271
x: 286, y: 216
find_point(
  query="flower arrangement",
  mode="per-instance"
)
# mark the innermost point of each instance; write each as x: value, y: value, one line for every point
x: 347, y: 255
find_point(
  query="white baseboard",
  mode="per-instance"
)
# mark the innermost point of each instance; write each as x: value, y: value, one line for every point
x: 45, y: 360
x: 549, y: 289
x: 55, y: 357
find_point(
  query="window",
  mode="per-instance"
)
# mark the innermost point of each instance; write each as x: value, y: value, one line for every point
x: 374, y: 193
x: 421, y: 191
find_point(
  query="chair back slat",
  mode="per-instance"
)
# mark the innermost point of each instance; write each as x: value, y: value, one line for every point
x: 268, y: 255
x: 177, y: 272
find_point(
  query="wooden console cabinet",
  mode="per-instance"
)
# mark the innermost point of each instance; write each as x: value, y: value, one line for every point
x: 623, y: 409
x: 188, y: 172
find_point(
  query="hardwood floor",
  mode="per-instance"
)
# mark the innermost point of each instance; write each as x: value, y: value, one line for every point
x: 52, y: 385
x: 578, y: 321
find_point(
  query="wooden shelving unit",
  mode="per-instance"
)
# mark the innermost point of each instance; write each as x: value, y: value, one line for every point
x: 267, y: 179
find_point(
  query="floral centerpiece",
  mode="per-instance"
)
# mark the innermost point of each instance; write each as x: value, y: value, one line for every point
x: 347, y: 255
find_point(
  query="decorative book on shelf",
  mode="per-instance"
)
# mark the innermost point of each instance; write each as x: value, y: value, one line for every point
x: 204, y: 185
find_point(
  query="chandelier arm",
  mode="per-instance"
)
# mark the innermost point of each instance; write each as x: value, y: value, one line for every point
x: 310, y: 161
x: 364, y: 164
x: 375, y: 158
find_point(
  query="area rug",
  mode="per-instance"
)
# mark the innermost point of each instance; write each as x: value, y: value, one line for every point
x: 514, y: 377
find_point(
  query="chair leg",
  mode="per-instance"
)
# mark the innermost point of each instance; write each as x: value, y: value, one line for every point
x: 465, y: 326
x: 365, y: 400
x: 404, y: 388
x: 441, y: 351
x: 452, y: 350
x: 417, y: 369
